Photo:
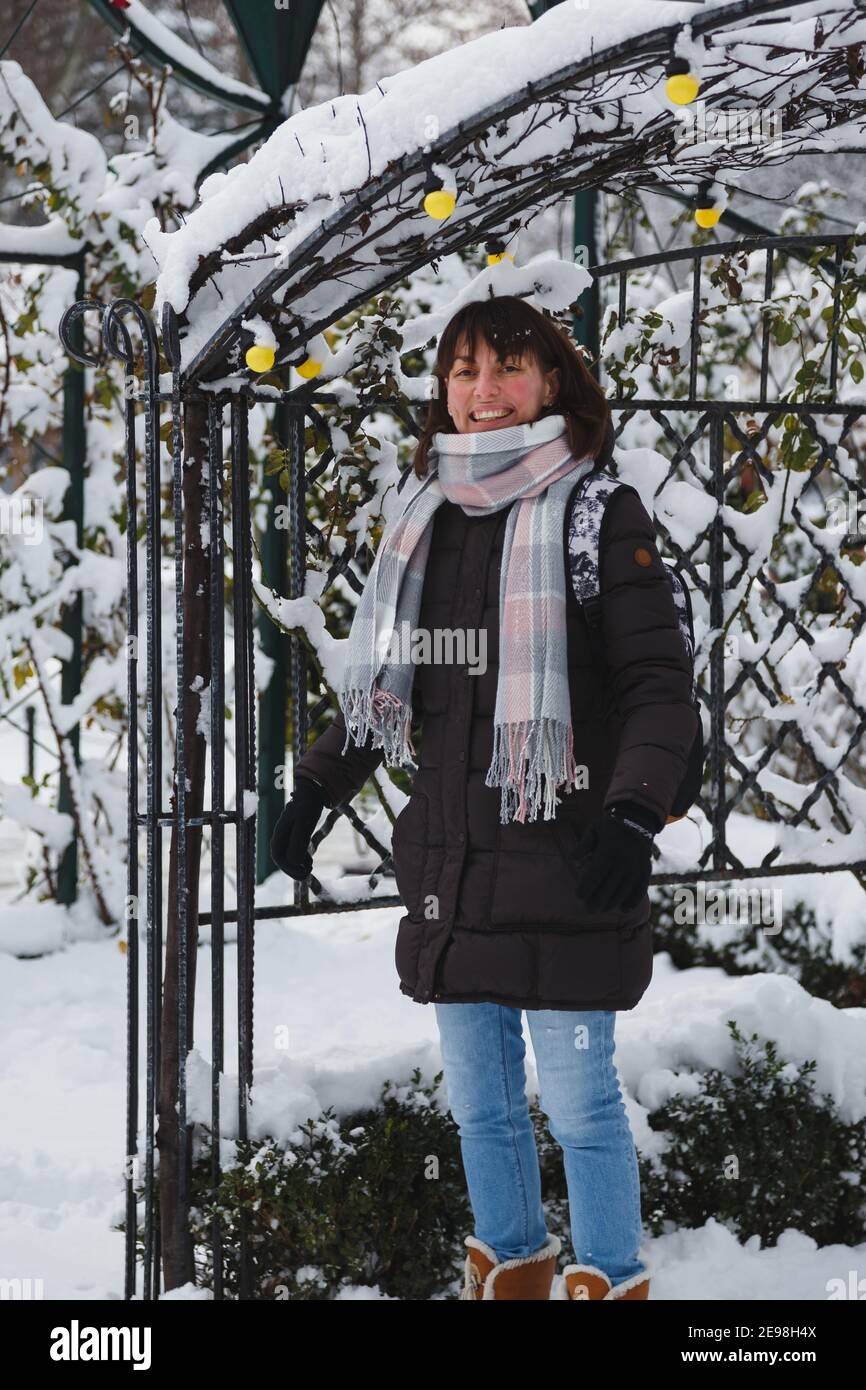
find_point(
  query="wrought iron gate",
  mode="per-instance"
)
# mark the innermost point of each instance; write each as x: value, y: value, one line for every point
x: 692, y: 430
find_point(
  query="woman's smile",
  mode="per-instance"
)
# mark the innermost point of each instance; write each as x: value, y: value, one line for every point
x: 490, y: 414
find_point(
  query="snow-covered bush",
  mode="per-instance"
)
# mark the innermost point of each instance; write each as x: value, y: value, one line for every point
x: 759, y: 1152
x: 803, y: 948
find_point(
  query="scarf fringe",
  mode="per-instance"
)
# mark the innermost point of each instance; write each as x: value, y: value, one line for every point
x: 530, y: 759
x: 387, y: 717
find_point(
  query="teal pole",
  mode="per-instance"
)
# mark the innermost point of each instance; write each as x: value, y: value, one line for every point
x: 585, y: 245
x: 584, y: 328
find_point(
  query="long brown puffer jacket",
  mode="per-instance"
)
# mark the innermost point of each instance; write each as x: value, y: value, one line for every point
x: 492, y: 911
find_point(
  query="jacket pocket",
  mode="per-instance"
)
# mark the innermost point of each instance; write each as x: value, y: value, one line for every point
x: 533, y: 887
x: 409, y: 851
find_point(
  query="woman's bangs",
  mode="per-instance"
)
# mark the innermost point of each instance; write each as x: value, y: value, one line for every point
x: 502, y: 336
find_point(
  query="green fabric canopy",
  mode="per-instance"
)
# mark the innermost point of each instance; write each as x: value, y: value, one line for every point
x: 275, y: 41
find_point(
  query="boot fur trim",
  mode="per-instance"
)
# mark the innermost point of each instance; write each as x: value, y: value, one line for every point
x: 620, y: 1290
x: 548, y: 1251
x: 562, y: 1286
x: 613, y: 1293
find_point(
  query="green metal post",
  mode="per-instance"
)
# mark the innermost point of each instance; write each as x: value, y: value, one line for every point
x: 585, y: 329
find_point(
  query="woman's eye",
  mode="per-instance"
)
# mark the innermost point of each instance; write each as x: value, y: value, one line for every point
x: 509, y: 366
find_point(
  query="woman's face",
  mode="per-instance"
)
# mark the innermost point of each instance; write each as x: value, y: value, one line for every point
x: 486, y: 394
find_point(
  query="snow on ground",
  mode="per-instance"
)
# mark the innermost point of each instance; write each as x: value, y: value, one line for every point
x: 330, y: 1026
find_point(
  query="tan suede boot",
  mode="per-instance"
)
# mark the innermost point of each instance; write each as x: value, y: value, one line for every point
x: 527, y: 1278
x: 586, y: 1282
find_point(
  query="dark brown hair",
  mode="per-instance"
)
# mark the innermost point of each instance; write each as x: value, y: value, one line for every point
x: 511, y: 326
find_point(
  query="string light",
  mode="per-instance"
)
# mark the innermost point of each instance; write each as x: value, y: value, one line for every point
x: 260, y: 357
x: 708, y: 209
x: 438, y: 201
x: 318, y: 353
x: 681, y: 86
x: 309, y: 368
x: 496, y: 252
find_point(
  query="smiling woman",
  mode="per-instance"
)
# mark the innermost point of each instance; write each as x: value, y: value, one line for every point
x: 500, y: 364
x: 524, y: 851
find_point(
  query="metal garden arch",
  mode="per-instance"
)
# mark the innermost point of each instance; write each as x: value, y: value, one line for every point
x: 374, y: 239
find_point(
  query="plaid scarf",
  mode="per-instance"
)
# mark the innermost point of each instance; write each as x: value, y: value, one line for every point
x: 482, y: 472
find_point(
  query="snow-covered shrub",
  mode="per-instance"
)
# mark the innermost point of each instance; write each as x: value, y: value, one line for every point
x: 803, y: 950
x: 759, y: 1152
x: 353, y: 1202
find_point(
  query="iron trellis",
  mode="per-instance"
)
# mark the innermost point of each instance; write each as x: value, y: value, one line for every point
x: 378, y: 235
x: 718, y: 862
x: 693, y: 429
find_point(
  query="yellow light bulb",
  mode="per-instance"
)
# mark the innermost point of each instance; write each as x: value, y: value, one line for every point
x: 309, y: 368
x: 260, y: 358
x: 121, y: 946
x: 439, y: 204
x: 707, y: 217
x: 495, y: 257
x: 682, y: 88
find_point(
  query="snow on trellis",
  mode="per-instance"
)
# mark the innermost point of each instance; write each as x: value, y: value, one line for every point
x: 816, y: 658
x: 259, y: 239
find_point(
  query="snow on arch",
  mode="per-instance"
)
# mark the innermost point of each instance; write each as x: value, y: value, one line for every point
x: 328, y: 211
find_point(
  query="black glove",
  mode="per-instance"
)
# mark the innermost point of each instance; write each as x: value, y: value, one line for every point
x: 617, y: 874
x: 294, y: 829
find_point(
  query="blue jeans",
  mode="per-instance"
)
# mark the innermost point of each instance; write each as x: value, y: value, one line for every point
x: 483, y: 1053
